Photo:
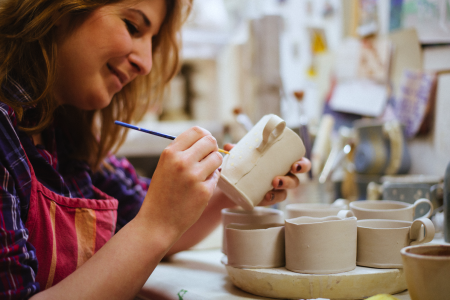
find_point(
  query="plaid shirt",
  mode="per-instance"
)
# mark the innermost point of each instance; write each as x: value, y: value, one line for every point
x: 64, y: 176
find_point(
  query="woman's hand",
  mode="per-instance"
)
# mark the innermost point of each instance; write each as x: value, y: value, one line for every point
x: 184, y: 181
x: 282, y: 183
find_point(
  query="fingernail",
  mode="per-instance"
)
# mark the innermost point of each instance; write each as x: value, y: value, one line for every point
x: 298, y: 167
x: 272, y: 197
x: 219, y: 169
x: 280, y: 183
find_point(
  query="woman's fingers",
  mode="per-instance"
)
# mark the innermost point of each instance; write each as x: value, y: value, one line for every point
x: 188, y: 138
x: 289, y: 181
x: 209, y: 164
x: 273, y: 197
x: 301, y: 166
x: 228, y: 147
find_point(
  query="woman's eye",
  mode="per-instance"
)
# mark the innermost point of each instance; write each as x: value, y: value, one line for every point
x: 131, y: 28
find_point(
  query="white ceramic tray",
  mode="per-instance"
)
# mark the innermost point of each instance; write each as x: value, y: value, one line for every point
x: 281, y: 283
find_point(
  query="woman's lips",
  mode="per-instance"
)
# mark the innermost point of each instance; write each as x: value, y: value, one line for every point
x: 121, y: 76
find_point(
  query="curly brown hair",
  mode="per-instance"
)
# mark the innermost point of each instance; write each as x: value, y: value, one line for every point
x: 28, y: 51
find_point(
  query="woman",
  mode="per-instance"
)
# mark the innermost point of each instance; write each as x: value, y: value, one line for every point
x: 75, y: 222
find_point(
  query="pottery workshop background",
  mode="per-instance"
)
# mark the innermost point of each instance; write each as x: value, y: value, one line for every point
x: 322, y: 65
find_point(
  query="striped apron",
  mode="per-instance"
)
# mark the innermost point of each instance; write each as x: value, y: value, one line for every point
x: 66, y: 232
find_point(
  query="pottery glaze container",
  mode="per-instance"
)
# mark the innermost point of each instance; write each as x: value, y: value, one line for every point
x: 257, y: 216
x: 427, y: 271
x: 388, y: 209
x: 380, y: 241
x: 320, y: 245
x: 255, y: 245
x: 316, y: 210
x: 269, y: 149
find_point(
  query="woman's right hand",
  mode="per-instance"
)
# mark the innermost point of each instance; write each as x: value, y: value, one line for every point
x: 183, y: 181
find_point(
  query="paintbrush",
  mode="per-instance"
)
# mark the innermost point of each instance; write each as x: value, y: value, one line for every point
x: 170, y: 137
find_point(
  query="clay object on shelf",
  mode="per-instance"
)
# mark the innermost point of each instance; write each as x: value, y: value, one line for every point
x: 427, y: 271
x: 259, y: 215
x: 316, y: 210
x: 380, y: 241
x: 255, y: 245
x: 388, y: 209
x: 268, y: 150
x: 320, y: 245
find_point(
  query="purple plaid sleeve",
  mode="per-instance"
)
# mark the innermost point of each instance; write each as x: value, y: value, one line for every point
x: 18, y: 263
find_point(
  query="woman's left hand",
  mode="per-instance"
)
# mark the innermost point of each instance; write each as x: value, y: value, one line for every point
x: 282, y: 183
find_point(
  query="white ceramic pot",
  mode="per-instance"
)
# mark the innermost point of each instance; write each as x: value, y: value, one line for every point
x: 317, y: 210
x: 427, y: 271
x: 387, y: 209
x: 320, y: 245
x: 269, y: 149
x: 255, y: 245
x: 380, y: 241
x: 257, y: 216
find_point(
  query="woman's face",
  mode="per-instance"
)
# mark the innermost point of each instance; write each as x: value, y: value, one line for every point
x: 109, y: 49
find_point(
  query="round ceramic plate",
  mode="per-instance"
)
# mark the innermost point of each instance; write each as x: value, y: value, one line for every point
x: 281, y: 283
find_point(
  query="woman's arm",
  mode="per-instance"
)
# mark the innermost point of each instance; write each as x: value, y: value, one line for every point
x: 211, y: 217
x: 183, y: 182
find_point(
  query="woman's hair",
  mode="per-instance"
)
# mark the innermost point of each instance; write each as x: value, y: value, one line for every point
x: 28, y: 52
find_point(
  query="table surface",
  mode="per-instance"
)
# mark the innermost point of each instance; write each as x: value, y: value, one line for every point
x: 201, y: 274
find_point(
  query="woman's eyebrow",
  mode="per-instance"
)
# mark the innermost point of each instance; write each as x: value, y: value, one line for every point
x: 144, y: 17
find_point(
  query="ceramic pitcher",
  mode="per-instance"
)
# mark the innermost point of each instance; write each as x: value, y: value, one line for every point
x: 320, y: 245
x: 269, y: 149
x: 381, y: 148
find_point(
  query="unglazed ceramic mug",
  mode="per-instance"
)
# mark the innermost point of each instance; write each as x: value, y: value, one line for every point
x: 317, y: 210
x: 387, y: 209
x: 259, y: 215
x: 320, y: 245
x: 255, y: 245
x: 268, y: 150
x: 380, y: 241
x: 427, y: 271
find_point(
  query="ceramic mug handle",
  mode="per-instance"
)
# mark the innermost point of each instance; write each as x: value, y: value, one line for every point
x: 393, y: 130
x: 275, y: 125
x: 345, y: 213
x: 424, y: 200
x: 416, y: 228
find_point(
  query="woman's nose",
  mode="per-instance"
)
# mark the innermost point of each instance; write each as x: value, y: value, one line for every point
x: 141, y: 56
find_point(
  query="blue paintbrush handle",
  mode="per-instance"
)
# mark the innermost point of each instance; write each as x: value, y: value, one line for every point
x: 170, y: 137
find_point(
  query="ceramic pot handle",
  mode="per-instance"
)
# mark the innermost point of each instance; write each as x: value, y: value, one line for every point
x: 394, y: 131
x: 424, y: 200
x: 345, y: 213
x: 416, y: 228
x: 276, y: 126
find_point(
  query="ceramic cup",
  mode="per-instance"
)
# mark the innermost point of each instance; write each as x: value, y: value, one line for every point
x: 317, y: 210
x: 380, y: 241
x: 408, y: 188
x: 387, y: 209
x: 268, y: 150
x: 255, y: 245
x: 320, y: 245
x: 427, y: 271
x: 259, y: 215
